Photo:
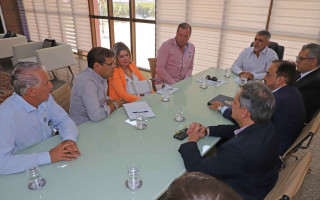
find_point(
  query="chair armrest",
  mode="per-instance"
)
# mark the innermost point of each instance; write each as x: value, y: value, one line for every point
x: 56, y: 57
x: 25, y: 50
x: 7, y: 43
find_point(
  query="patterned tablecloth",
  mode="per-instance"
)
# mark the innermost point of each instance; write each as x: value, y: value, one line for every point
x: 6, y: 88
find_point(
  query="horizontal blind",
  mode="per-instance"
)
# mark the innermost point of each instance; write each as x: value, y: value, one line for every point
x: 63, y: 20
x: 220, y: 29
x: 295, y: 23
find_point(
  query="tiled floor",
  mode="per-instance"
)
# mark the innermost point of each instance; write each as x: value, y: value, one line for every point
x: 310, y: 189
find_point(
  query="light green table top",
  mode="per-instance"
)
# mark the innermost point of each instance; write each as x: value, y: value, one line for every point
x: 109, y: 145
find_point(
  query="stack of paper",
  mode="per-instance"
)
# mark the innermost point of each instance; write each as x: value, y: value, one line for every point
x: 135, y: 108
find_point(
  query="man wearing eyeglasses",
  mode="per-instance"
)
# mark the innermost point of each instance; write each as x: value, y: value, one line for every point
x: 289, y: 112
x: 254, y: 61
x: 89, y: 100
x: 308, y: 81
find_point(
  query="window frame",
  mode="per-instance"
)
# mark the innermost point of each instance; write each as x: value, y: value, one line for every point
x: 111, y: 19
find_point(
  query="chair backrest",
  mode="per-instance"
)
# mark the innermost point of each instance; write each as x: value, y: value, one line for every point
x: 308, y: 132
x: 153, y: 64
x: 277, y: 48
x: 290, y: 179
x: 62, y: 96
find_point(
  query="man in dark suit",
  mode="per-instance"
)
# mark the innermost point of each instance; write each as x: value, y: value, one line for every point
x: 248, y: 161
x: 289, y: 113
x: 308, y: 82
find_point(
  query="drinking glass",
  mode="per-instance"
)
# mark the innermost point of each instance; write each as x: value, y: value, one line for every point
x: 227, y: 73
x: 140, y: 121
x: 179, y: 114
x: 243, y: 79
x: 204, y: 83
x: 35, y: 180
x: 133, y: 181
x: 165, y: 94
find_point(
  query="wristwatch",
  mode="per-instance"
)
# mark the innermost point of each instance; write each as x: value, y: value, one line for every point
x: 219, y: 108
x: 115, y: 105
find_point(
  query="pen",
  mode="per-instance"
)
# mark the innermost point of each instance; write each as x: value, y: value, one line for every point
x: 141, y: 111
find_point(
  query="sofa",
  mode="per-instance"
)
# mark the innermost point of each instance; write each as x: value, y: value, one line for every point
x: 7, y: 43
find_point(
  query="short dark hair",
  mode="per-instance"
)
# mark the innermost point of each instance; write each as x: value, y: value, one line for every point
x: 265, y: 32
x: 259, y: 101
x: 287, y: 69
x: 314, y: 51
x: 98, y: 54
x: 184, y: 26
x: 198, y: 186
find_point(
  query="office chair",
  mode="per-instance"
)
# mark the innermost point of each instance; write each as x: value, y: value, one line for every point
x: 277, y: 48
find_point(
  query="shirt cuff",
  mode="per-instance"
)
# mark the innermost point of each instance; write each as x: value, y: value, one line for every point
x: 44, y: 158
x: 224, y: 108
x: 107, y: 109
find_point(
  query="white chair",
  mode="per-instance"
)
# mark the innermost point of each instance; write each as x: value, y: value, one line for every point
x: 52, y: 58
x: 7, y: 43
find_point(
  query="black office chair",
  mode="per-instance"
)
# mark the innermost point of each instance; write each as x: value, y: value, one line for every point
x: 277, y: 48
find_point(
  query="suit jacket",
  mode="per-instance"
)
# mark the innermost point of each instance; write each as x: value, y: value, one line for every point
x: 309, y: 86
x: 288, y: 116
x: 117, y: 83
x: 247, y: 162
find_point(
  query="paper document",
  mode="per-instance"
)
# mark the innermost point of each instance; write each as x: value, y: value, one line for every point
x: 172, y: 90
x: 212, y: 83
x: 135, y: 108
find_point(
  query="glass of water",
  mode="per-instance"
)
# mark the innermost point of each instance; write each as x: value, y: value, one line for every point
x: 165, y: 94
x: 227, y: 73
x: 140, y: 121
x: 133, y: 181
x: 35, y: 180
x: 179, y: 114
x: 243, y: 79
x: 204, y: 83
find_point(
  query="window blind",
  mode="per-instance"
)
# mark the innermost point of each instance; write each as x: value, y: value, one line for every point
x: 222, y: 29
x: 63, y: 20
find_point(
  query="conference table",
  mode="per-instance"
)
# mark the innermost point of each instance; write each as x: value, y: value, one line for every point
x: 109, y: 145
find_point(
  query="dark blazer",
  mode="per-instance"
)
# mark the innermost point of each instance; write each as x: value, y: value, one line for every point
x: 309, y: 86
x: 288, y: 116
x: 247, y: 162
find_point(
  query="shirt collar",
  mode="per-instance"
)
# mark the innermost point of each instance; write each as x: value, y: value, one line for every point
x: 306, y: 73
x: 28, y: 107
x: 237, y: 131
x: 277, y: 89
x: 95, y: 75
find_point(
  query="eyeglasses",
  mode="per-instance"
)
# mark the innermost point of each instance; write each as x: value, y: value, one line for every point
x: 110, y: 64
x: 299, y: 59
x: 213, y: 78
x: 269, y: 75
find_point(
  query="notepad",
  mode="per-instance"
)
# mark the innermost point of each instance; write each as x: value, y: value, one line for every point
x: 135, y: 108
x: 225, y: 100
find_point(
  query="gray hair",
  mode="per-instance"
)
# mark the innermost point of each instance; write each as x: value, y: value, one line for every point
x: 314, y: 51
x: 22, y: 77
x: 259, y: 101
x: 266, y: 33
x: 120, y: 46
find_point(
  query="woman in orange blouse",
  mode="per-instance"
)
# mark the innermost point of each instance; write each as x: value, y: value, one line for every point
x: 125, y: 72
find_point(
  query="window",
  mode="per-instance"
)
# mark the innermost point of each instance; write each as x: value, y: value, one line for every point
x: 129, y: 21
x: 222, y: 29
x: 63, y: 20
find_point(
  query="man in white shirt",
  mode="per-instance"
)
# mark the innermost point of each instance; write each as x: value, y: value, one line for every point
x: 254, y: 61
